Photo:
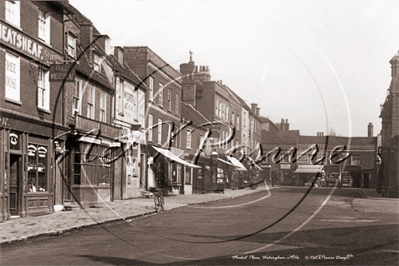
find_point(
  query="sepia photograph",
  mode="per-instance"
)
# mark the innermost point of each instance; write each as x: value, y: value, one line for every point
x: 199, y: 132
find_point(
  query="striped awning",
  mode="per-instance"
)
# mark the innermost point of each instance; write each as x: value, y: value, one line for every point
x: 237, y: 163
x: 173, y: 157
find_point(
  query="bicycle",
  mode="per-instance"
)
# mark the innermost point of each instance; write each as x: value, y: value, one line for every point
x: 158, y: 199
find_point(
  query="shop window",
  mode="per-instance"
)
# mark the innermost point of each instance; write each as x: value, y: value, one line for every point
x: 37, y: 168
x: 44, y: 26
x: 151, y: 89
x: 77, y: 94
x: 177, y: 107
x: 160, y: 94
x: 71, y: 45
x: 43, y: 90
x: 90, y: 102
x: 13, y: 12
x: 77, y: 162
x: 12, y: 77
x: 103, y: 102
x: 169, y: 99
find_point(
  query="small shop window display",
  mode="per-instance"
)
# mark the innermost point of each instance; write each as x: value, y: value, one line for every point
x: 37, y: 168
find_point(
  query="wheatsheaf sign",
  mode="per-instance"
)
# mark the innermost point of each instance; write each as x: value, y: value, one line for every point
x: 23, y: 43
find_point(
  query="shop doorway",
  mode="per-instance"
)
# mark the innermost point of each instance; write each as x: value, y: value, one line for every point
x: 15, y: 184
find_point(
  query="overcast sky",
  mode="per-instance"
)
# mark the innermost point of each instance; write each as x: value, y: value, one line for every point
x: 320, y: 64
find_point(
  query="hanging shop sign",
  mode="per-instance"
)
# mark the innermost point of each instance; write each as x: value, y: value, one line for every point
x: 13, y: 37
x: 60, y: 72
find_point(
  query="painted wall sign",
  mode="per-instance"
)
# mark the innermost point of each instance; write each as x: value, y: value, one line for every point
x: 86, y: 124
x: 12, y: 77
x: 58, y: 72
x: 285, y: 166
x: 141, y: 107
x: 130, y: 102
x: 21, y: 42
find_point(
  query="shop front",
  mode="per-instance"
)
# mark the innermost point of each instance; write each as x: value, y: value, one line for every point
x: 304, y: 175
x: 89, y: 173
x: 127, y: 169
x: 26, y: 162
x: 351, y: 175
x: 168, y: 170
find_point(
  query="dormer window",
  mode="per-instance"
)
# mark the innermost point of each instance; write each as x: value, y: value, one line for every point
x: 96, y: 61
x: 71, y: 46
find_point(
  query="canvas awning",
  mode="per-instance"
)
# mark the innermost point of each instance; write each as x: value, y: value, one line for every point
x: 236, y: 163
x: 226, y: 162
x: 309, y: 169
x: 173, y: 157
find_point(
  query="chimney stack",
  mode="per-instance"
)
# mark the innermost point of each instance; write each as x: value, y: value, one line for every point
x: 254, y: 106
x: 370, y: 130
x: 257, y: 110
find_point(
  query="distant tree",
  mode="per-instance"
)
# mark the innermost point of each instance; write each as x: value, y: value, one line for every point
x: 332, y: 132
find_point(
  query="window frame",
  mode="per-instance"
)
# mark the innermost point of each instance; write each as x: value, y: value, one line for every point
x: 91, y: 99
x: 34, y: 171
x: 44, y: 21
x: 160, y: 94
x: 151, y: 89
x: 103, y: 107
x: 120, y: 93
x: 159, y: 140
x: 150, y: 126
x: 169, y: 99
x: 71, y: 44
x: 188, y: 139
x: 355, y: 160
x: 177, y: 104
x: 96, y: 63
x: 16, y: 12
x: 43, y: 86
x: 77, y: 98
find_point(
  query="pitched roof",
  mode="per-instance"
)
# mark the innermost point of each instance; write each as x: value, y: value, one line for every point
x: 188, y: 112
x: 357, y: 143
x: 124, y: 70
x: 87, y: 69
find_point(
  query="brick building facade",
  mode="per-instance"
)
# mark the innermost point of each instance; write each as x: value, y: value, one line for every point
x: 31, y: 38
x: 388, y: 179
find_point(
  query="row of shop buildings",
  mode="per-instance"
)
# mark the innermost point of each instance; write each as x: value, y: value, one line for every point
x: 82, y: 122
x: 354, y: 161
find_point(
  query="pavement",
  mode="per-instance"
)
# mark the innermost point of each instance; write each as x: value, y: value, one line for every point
x: 17, y: 229
x: 372, y: 201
